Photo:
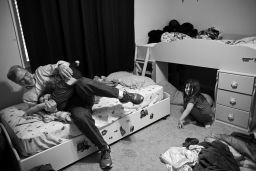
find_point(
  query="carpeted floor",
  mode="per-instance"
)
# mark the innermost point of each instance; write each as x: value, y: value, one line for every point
x: 140, y: 151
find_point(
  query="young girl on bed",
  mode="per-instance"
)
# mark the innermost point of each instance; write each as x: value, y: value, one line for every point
x: 195, y: 105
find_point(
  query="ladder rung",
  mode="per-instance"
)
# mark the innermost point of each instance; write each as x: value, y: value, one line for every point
x: 147, y: 72
x: 143, y: 60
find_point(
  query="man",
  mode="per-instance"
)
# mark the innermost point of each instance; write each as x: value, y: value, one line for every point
x: 77, y: 98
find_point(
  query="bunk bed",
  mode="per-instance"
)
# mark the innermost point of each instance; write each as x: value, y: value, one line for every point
x: 235, y: 62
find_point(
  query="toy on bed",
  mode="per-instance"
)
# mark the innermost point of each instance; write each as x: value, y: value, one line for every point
x: 32, y: 137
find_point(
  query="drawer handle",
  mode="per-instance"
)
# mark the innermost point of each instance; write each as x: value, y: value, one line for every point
x: 231, y: 117
x: 234, y: 84
x: 232, y: 101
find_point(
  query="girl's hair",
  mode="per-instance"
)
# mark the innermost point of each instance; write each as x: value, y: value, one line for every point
x: 194, y: 88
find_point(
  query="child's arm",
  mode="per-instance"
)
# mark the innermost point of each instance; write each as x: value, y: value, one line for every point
x: 185, y: 113
x: 48, y: 105
x: 34, y: 109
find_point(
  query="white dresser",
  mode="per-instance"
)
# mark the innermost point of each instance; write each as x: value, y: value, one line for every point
x: 235, y: 104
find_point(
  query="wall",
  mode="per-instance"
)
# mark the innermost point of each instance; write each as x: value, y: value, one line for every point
x: 9, y: 55
x: 229, y: 16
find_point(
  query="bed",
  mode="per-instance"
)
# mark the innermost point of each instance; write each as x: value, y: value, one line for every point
x: 235, y: 62
x: 33, y: 142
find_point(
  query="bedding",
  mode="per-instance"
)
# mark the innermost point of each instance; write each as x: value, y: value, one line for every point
x: 34, y: 135
x: 174, y: 36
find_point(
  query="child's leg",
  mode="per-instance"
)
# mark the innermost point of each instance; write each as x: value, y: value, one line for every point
x: 201, y: 118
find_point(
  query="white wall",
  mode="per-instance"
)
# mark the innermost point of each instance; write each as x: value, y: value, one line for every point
x: 229, y: 16
x: 9, y: 55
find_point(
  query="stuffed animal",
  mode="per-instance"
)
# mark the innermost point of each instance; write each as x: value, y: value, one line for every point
x: 173, y: 26
x: 154, y: 36
x: 188, y: 29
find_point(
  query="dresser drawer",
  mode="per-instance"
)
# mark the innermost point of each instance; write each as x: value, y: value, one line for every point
x: 233, y: 116
x: 235, y: 100
x: 237, y: 83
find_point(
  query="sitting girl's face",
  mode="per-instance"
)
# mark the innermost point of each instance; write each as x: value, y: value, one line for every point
x: 188, y: 89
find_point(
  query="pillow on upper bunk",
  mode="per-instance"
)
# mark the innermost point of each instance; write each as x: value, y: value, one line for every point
x: 173, y: 36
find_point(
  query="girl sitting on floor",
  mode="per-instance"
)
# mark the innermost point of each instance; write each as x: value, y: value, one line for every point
x: 195, y: 105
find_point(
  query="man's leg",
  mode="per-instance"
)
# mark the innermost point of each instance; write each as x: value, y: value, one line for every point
x: 86, y: 87
x: 82, y: 117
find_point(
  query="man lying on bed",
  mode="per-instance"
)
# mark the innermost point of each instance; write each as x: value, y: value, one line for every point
x: 77, y: 98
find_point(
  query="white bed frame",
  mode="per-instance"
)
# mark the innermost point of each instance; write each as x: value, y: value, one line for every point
x: 203, y: 53
x: 74, y: 149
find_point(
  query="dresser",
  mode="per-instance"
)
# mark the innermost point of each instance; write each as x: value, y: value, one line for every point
x: 235, y: 99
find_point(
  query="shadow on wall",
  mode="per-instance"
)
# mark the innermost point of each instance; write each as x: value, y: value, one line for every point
x: 8, y: 95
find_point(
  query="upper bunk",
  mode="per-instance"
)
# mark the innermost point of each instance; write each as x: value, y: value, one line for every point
x: 218, y: 54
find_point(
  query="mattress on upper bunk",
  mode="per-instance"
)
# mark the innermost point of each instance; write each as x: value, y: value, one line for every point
x: 34, y: 135
x: 175, y: 36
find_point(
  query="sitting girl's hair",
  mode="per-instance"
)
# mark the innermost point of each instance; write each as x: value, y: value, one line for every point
x: 194, y: 89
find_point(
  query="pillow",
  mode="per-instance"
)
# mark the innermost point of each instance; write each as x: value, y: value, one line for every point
x: 176, y: 96
x: 117, y: 75
x: 136, y: 81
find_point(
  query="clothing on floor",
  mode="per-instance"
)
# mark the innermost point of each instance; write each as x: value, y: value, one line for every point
x: 215, y: 156
x: 181, y: 158
x: 190, y: 141
x: 245, y: 144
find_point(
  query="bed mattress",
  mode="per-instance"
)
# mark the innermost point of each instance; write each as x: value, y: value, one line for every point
x: 34, y: 135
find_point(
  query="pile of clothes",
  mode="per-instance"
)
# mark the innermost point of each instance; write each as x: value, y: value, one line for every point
x: 223, y: 152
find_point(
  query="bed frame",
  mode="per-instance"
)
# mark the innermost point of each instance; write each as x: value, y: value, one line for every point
x: 203, y: 53
x: 74, y: 149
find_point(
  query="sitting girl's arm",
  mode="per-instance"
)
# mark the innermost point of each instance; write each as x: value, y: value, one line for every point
x: 185, y: 113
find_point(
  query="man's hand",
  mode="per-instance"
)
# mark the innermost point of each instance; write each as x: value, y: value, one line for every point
x: 180, y: 124
x: 65, y: 71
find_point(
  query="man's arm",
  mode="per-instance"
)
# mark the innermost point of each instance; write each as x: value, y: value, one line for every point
x: 61, y: 67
